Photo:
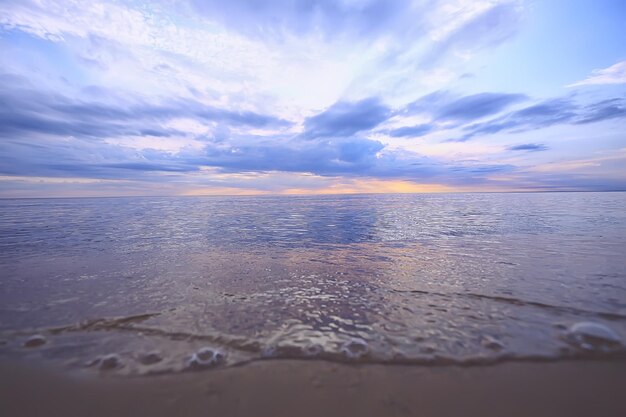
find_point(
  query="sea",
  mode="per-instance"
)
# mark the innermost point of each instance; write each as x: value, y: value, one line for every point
x: 152, y: 285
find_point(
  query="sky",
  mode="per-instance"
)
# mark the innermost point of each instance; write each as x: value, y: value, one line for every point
x: 208, y: 97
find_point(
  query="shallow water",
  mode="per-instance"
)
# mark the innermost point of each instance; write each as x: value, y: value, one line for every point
x: 424, y: 279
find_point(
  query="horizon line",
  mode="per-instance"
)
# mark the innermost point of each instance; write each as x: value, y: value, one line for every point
x: 312, y: 194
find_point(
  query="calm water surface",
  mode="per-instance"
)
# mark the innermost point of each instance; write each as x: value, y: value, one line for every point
x: 437, y: 278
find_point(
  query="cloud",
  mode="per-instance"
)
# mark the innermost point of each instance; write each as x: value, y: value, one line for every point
x: 548, y: 113
x: 24, y: 110
x: 52, y: 156
x: 473, y: 26
x: 280, y: 18
x: 47, y: 134
x: 411, y: 131
x: 477, y: 106
x: 444, y: 106
x: 146, y: 167
x: 532, y: 147
x: 604, y: 110
x: 52, y: 135
x: 615, y: 74
x: 350, y: 156
x: 346, y: 118
x: 195, y: 90
x: 428, y: 103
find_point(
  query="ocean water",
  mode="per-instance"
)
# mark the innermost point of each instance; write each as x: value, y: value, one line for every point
x: 151, y: 285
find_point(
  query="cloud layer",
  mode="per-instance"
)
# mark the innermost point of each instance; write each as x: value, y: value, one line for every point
x: 615, y: 74
x: 194, y: 96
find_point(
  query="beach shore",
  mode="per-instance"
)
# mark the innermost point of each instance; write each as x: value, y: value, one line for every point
x: 316, y: 388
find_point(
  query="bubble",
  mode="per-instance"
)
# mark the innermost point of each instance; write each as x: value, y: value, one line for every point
x: 355, y: 348
x: 35, y: 341
x: 207, y: 357
x: 107, y: 362
x: 593, y: 337
x: 150, y: 358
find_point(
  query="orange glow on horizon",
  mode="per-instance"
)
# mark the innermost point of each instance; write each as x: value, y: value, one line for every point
x: 312, y: 185
x: 373, y: 187
x: 360, y: 186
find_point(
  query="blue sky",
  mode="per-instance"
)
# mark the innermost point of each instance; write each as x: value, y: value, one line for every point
x: 193, y: 97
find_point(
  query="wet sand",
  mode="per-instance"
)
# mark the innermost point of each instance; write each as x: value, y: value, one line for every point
x: 317, y: 388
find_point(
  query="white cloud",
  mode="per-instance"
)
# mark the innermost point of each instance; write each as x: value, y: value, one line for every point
x: 153, y: 49
x: 451, y: 16
x: 615, y: 74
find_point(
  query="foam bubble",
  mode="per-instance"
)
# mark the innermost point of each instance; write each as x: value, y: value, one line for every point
x: 592, y: 336
x: 107, y: 362
x: 35, y: 341
x: 207, y: 357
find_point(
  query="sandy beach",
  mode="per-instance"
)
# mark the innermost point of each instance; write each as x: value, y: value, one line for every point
x: 318, y: 388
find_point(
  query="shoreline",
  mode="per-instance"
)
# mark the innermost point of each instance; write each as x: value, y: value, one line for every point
x: 318, y: 388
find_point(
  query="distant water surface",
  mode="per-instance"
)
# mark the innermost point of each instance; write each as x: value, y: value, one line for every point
x: 429, y: 278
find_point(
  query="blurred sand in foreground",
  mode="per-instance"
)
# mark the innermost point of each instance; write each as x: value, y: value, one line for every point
x: 308, y: 388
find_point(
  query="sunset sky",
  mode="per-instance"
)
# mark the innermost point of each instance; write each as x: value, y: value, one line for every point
x: 192, y: 97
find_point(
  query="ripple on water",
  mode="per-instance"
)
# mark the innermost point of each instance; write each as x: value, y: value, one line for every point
x: 411, y: 279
